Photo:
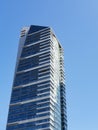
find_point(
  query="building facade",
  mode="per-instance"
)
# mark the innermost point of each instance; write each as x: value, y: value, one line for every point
x: 38, y: 94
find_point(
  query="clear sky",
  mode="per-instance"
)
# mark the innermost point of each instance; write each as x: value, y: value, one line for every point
x: 75, y: 23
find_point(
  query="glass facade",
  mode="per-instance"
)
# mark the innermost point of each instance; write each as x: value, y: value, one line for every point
x: 38, y: 94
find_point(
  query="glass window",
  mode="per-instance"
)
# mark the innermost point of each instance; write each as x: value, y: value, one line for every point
x: 32, y: 38
x: 26, y: 77
x: 28, y: 63
x: 27, y: 51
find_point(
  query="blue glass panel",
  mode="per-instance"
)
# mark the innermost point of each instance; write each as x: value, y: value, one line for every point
x: 30, y: 50
x: 35, y: 28
x: 28, y: 63
x: 32, y: 38
x: 26, y: 77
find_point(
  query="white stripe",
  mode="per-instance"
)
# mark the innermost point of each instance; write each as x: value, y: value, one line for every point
x: 45, y: 49
x: 47, y: 61
x: 45, y: 76
x: 33, y: 68
x: 41, y: 31
x: 28, y: 101
x: 45, y: 45
x: 40, y: 41
x: 38, y: 108
x: 45, y: 37
x: 39, y: 53
x: 42, y: 73
x: 43, y: 93
x: 29, y: 120
x: 36, y: 82
x: 43, y: 102
x: 43, y: 84
x: 43, y: 55
x: 43, y: 58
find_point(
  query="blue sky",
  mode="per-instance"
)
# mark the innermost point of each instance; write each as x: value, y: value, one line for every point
x: 75, y: 23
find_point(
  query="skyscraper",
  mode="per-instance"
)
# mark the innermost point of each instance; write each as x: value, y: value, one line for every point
x: 38, y: 94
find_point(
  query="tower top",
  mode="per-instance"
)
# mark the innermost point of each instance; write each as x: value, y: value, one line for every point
x: 35, y: 28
